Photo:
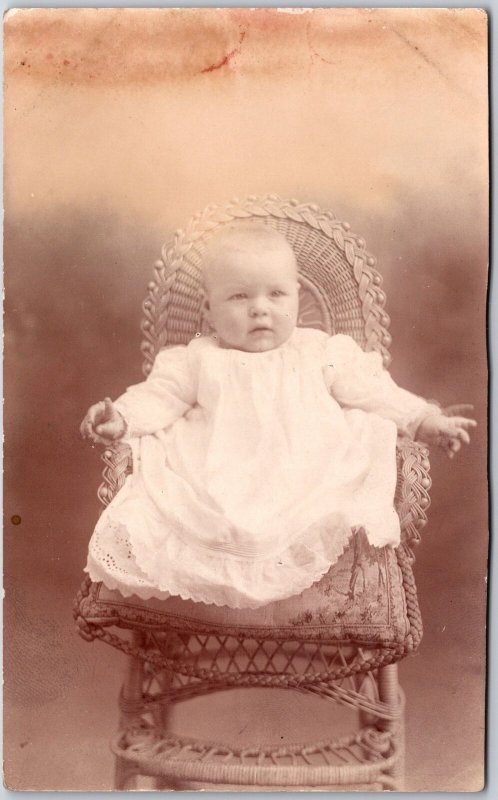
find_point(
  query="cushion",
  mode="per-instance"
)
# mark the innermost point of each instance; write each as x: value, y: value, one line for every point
x: 362, y: 599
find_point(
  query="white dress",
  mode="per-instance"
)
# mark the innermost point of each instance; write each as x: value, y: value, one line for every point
x: 251, y: 469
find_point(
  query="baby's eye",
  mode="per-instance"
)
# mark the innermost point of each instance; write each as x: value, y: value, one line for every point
x: 277, y: 293
x: 238, y: 296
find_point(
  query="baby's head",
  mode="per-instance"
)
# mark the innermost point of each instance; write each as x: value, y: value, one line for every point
x: 251, y: 287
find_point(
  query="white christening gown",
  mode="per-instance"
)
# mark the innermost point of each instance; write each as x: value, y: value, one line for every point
x: 251, y: 469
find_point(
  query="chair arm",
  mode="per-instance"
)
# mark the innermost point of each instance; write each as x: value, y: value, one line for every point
x: 412, y: 491
x: 118, y: 464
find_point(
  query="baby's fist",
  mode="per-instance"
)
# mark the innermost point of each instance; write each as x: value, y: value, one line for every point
x: 103, y: 423
x: 448, y: 432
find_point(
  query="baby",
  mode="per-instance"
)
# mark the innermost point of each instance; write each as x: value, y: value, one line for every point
x: 257, y: 450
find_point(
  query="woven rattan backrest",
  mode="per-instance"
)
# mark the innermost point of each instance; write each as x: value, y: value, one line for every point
x: 340, y: 288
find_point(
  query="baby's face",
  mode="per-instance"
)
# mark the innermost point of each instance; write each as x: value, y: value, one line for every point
x: 252, y: 299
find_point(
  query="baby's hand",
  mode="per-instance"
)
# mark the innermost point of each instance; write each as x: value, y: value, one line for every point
x: 103, y: 423
x: 448, y: 432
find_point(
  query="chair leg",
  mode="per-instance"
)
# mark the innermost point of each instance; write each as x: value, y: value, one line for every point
x: 131, y: 706
x: 125, y: 775
x: 367, y: 686
x: 390, y: 693
x: 163, y: 711
x: 131, y: 703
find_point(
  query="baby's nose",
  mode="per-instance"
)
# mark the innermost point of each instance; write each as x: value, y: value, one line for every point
x: 258, y: 308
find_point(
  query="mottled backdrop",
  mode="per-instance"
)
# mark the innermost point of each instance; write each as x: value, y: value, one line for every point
x: 120, y: 124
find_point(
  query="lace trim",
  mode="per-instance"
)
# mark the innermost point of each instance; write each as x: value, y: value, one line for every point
x: 228, y: 583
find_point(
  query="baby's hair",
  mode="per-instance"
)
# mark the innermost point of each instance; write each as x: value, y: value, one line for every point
x: 248, y: 237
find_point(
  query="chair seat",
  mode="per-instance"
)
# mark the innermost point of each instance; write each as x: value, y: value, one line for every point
x: 362, y: 599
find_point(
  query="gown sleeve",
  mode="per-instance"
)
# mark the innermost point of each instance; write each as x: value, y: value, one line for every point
x: 168, y: 393
x: 359, y: 380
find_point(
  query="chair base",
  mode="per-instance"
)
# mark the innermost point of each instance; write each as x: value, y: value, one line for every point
x: 366, y: 758
x: 370, y: 758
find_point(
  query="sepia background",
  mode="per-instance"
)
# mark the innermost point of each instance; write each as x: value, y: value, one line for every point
x: 121, y: 124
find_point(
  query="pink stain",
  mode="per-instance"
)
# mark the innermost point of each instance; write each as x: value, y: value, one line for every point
x: 224, y: 61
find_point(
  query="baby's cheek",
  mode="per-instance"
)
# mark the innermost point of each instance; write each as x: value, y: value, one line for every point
x: 287, y: 316
x: 236, y: 319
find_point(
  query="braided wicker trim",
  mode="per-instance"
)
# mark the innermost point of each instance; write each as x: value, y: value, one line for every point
x: 204, y: 224
x: 118, y: 464
x: 413, y: 614
x: 412, y: 494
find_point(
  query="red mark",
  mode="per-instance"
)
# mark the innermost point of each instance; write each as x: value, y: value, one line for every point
x: 224, y: 61
x: 49, y: 56
x: 66, y: 62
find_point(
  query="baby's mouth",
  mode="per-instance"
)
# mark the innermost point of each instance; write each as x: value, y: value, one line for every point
x: 260, y: 329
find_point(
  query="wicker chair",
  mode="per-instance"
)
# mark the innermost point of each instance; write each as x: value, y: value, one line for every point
x: 341, y: 638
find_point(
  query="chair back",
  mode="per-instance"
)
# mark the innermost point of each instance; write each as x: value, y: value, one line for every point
x: 340, y: 287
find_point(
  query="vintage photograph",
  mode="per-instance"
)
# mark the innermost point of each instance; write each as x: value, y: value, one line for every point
x: 245, y: 488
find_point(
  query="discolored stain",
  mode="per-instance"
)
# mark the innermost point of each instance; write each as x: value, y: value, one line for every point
x: 16, y: 519
x: 226, y: 59
x: 122, y: 46
x: 128, y: 46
